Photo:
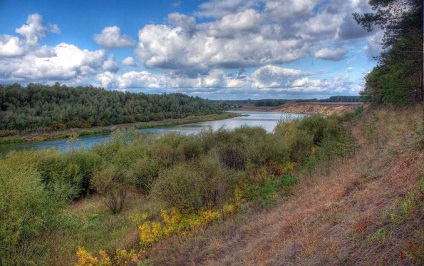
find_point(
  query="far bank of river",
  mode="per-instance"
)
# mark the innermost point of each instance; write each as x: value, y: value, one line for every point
x: 322, y: 108
x: 267, y: 120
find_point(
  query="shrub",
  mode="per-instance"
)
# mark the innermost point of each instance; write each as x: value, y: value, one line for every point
x: 142, y: 173
x: 111, y: 184
x: 167, y: 150
x: 192, y: 186
x: 28, y: 213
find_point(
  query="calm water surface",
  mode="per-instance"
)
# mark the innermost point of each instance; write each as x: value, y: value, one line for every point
x: 267, y: 120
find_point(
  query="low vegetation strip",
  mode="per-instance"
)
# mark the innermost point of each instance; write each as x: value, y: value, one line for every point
x: 43, y: 135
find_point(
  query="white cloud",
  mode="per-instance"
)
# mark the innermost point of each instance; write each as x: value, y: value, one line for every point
x: 107, y: 79
x: 11, y: 46
x: 111, y: 38
x: 110, y: 65
x: 129, y: 61
x: 187, y: 23
x: 336, y: 54
x: 61, y: 62
x: 274, y: 76
x: 239, y: 23
x: 169, y: 48
x: 35, y: 30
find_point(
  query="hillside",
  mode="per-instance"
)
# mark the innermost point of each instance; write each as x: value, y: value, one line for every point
x: 295, y: 107
x: 365, y: 209
x: 318, y: 108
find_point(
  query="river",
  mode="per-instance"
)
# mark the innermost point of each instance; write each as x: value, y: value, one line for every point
x: 267, y: 120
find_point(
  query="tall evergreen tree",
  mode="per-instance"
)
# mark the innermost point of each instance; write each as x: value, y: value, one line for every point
x: 398, y: 77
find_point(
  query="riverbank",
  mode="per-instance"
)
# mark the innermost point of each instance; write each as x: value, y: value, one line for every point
x: 38, y: 136
x: 323, y: 108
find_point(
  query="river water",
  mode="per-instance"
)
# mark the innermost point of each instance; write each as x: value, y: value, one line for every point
x: 267, y: 120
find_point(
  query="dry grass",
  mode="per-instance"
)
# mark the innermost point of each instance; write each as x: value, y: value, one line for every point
x: 353, y: 215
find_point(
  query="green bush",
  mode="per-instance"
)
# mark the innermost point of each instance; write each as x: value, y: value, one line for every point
x: 28, y: 214
x: 112, y: 185
x: 191, y: 186
x: 142, y: 173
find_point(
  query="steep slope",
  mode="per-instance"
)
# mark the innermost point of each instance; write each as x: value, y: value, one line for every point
x: 364, y: 209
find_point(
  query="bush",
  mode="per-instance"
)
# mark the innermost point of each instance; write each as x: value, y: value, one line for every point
x: 192, y: 186
x: 28, y: 213
x: 142, y: 173
x: 320, y: 127
x: 111, y: 184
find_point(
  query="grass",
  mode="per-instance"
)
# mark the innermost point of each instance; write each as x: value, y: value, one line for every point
x: 11, y: 140
x: 88, y: 223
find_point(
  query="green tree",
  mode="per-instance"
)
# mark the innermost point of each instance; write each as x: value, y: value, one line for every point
x: 398, y: 77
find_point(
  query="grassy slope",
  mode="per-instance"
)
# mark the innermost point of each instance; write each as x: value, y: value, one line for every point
x: 367, y: 209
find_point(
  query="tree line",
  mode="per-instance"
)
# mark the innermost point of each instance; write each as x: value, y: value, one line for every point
x: 58, y: 107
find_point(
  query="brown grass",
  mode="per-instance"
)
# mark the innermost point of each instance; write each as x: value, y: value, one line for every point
x: 352, y: 215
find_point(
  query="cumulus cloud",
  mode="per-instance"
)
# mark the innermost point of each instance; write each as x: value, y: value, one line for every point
x: 336, y: 54
x: 169, y: 48
x: 25, y: 60
x: 247, y: 34
x: 274, y: 76
x: 239, y: 23
x: 187, y: 23
x: 32, y: 32
x: 11, y: 46
x: 111, y: 38
x: 35, y: 30
x: 129, y: 61
x: 110, y: 65
x: 62, y: 62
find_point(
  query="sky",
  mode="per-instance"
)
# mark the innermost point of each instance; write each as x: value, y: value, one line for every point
x: 216, y: 49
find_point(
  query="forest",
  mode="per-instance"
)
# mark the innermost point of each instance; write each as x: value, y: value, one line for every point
x: 57, y: 107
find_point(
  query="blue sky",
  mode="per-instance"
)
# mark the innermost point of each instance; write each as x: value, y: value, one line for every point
x: 217, y: 49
